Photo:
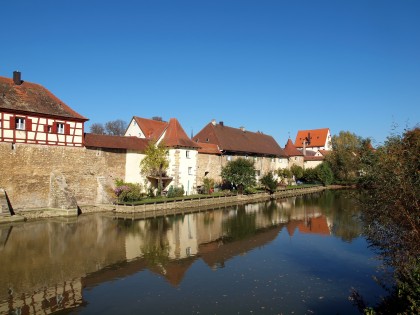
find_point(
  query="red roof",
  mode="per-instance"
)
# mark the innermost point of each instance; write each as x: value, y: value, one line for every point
x: 238, y: 140
x: 318, y: 137
x: 152, y: 129
x: 31, y: 98
x: 115, y: 142
x: 291, y: 150
x: 175, y: 136
x: 208, y: 148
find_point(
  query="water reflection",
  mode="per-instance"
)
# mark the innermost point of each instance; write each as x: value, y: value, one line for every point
x: 47, y: 265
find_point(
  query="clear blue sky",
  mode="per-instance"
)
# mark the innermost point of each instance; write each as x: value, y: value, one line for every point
x: 272, y: 66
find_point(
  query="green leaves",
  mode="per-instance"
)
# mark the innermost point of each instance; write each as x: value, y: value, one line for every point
x: 240, y: 172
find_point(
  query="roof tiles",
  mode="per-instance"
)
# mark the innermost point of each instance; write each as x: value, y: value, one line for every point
x: 238, y: 140
x: 318, y: 137
x: 115, y: 142
x: 33, y: 98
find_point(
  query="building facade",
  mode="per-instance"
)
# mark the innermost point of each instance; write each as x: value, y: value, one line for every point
x: 29, y: 113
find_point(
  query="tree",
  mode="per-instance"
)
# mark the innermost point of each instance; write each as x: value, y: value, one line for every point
x: 240, y: 172
x: 297, y: 171
x: 155, y: 163
x: 113, y: 128
x: 116, y: 127
x: 324, y: 173
x: 391, y: 213
x: 97, y: 128
x: 269, y: 182
x: 285, y: 174
x: 344, y: 159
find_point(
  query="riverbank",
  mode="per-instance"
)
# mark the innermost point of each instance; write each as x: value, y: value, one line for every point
x: 162, y: 208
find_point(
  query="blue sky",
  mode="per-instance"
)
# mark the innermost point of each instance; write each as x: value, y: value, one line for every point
x: 270, y: 66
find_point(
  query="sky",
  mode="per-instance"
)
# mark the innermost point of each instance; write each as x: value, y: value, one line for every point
x: 272, y: 66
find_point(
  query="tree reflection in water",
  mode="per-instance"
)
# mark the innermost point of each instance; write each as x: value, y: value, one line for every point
x: 63, y: 261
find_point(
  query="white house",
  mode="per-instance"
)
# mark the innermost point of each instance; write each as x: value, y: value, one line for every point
x: 182, y: 150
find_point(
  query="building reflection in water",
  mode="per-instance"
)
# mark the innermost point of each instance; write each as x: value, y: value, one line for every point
x: 46, y: 265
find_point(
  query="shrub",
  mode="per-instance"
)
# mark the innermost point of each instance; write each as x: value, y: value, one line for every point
x: 126, y: 192
x: 175, y: 192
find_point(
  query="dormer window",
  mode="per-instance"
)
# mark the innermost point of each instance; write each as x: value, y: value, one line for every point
x: 20, y: 123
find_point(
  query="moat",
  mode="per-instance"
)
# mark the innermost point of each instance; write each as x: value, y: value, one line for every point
x: 300, y: 255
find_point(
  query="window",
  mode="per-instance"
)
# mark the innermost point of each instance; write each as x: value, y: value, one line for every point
x: 190, y: 171
x: 20, y: 123
x: 187, y: 154
x: 60, y: 128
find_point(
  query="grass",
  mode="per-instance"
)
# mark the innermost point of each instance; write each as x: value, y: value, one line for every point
x: 163, y: 199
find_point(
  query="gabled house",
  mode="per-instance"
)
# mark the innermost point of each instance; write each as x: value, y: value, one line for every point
x: 221, y: 144
x: 182, y: 150
x: 313, y: 140
x: 29, y: 113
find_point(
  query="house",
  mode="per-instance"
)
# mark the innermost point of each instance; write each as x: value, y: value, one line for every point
x: 132, y: 148
x: 29, y: 113
x: 313, y: 140
x: 294, y: 156
x: 313, y: 159
x: 220, y: 144
x: 182, y: 150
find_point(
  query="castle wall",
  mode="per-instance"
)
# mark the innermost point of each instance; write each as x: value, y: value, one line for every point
x: 27, y: 172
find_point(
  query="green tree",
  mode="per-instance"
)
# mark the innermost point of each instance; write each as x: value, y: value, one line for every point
x: 269, y: 182
x: 344, y: 158
x: 285, y: 174
x: 324, y: 173
x: 155, y: 163
x: 297, y: 171
x: 391, y: 216
x: 240, y: 172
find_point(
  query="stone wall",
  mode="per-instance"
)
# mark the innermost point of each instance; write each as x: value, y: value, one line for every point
x: 26, y: 172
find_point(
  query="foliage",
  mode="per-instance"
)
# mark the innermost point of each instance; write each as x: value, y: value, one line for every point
x: 310, y: 175
x: 114, y: 128
x: 240, y: 172
x: 324, y: 173
x: 297, y: 171
x: 391, y: 214
x: 344, y: 158
x: 175, y: 192
x: 269, y: 182
x: 126, y: 192
x: 155, y: 162
x: 285, y: 174
x: 208, y: 185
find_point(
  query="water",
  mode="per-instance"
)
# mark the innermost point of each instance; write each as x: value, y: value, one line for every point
x: 299, y: 255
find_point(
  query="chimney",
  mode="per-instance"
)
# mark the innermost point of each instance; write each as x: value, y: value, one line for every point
x: 221, y: 123
x: 213, y: 121
x: 242, y: 128
x: 16, y: 78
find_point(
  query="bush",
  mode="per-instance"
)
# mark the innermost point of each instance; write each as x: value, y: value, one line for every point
x: 127, y: 192
x: 175, y: 192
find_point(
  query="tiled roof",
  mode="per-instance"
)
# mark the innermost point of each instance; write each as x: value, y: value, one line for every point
x: 237, y: 140
x: 324, y: 152
x: 152, y: 129
x: 175, y: 136
x: 318, y: 137
x: 115, y: 142
x: 291, y: 150
x: 33, y: 98
x: 314, y: 158
x: 316, y: 226
x: 208, y: 148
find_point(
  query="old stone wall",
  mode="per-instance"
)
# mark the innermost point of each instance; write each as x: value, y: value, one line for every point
x: 26, y: 171
x: 208, y: 165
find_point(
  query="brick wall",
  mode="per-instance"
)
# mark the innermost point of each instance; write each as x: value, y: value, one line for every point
x: 26, y: 171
